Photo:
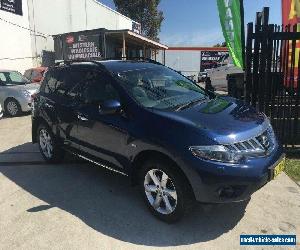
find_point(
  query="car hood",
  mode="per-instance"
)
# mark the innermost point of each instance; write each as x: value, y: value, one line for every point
x: 224, y: 119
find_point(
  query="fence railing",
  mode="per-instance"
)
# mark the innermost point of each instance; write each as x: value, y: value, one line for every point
x: 272, y: 69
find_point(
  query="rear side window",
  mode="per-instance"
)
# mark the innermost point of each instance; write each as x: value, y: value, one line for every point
x: 51, y: 81
x: 64, y: 82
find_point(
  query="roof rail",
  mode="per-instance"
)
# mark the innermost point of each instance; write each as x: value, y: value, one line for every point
x: 69, y: 62
x: 138, y: 58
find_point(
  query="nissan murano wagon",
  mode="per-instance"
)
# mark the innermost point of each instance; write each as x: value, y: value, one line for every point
x: 141, y: 119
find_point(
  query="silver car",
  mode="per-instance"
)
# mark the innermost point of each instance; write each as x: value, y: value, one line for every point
x: 1, y: 112
x: 16, y: 92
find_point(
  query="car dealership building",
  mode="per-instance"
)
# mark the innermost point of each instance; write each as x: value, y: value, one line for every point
x: 32, y: 29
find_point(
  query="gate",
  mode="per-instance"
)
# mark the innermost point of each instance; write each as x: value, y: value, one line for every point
x: 272, y: 70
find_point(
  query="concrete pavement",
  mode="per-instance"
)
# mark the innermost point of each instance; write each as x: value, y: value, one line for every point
x: 79, y: 206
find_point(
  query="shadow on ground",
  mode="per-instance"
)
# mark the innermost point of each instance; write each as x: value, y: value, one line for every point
x: 5, y: 116
x: 107, y: 203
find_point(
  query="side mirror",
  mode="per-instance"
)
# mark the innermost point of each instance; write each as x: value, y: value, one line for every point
x: 109, y: 107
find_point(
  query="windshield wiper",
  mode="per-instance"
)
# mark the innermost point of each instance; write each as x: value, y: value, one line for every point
x: 189, y: 104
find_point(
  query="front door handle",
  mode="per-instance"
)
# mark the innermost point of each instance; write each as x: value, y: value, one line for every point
x: 82, y: 117
x: 49, y: 106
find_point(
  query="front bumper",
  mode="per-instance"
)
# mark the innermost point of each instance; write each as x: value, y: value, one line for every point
x: 221, y: 183
x: 25, y: 104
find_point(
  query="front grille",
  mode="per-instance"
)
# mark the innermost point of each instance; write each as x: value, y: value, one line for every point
x: 262, y: 144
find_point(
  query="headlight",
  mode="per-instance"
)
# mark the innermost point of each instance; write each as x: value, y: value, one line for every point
x: 26, y: 94
x: 216, y: 153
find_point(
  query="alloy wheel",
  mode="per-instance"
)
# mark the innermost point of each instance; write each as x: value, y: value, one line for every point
x: 12, y: 108
x: 160, y: 191
x: 46, y: 143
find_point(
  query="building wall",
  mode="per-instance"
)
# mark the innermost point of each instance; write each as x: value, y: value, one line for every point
x: 188, y: 62
x: 50, y: 17
x: 15, y: 42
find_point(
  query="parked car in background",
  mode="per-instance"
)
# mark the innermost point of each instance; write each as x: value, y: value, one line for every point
x: 202, y: 76
x: 146, y: 121
x: 1, y: 112
x: 16, y: 92
x: 219, y: 74
x: 35, y: 75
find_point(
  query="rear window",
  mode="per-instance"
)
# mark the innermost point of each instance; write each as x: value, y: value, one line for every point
x: 37, y: 74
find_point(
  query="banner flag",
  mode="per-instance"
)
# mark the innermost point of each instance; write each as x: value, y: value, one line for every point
x: 291, y: 16
x: 230, y: 19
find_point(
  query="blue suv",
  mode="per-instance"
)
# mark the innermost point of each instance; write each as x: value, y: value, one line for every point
x: 141, y: 119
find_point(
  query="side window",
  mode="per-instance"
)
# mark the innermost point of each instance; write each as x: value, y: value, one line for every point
x: 74, y: 83
x: 27, y: 74
x: 98, y: 89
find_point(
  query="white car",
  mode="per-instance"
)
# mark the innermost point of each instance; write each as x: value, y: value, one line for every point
x: 218, y: 76
x: 16, y: 92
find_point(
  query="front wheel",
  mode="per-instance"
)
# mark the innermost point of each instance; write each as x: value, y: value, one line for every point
x: 12, y: 107
x: 48, y: 146
x: 166, y: 192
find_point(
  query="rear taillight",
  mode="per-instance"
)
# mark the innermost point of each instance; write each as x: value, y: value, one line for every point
x: 33, y: 96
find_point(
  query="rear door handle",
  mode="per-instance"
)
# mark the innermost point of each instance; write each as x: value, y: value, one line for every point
x: 82, y: 117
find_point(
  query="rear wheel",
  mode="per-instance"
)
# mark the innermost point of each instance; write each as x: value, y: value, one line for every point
x: 166, y: 192
x: 49, y: 148
x: 12, y: 107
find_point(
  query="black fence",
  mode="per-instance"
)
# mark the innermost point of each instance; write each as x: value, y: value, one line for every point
x: 272, y: 70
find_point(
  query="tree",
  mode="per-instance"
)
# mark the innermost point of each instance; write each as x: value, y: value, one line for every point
x: 145, y: 12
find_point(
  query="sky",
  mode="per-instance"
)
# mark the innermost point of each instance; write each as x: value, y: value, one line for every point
x: 196, y: 22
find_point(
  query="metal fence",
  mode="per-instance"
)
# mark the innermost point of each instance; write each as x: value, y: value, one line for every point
x: 272, y: 69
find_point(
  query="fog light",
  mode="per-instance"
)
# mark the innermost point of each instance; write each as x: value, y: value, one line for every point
x: 226, y: 192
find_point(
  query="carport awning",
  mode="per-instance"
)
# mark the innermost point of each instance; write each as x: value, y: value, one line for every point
x: 134, y: 38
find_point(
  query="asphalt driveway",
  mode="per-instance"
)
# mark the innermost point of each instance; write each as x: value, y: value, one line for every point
x: 75, y: 205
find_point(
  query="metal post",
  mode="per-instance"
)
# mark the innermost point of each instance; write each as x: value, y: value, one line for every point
x: 242, y: 31
x: 124, y: 47
x: 144, y: 51
x: 105, y: 53
x: 164, y: 57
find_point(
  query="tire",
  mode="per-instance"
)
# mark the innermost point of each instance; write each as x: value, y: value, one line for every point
x: 49, y: 148
x: 12, y: 107
x: 168, y: 202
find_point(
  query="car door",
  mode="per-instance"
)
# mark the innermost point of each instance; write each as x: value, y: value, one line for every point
x: 57, y: 107
x: 101, y: 135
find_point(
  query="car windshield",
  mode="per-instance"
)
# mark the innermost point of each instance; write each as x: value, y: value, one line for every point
x: 160, y: 87
x: 10, y: 78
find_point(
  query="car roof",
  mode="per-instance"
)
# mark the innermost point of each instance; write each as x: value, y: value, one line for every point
x: 40, y: 69
x: 127, y: 65
x: 8, y: 70
x: 113, y: 66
